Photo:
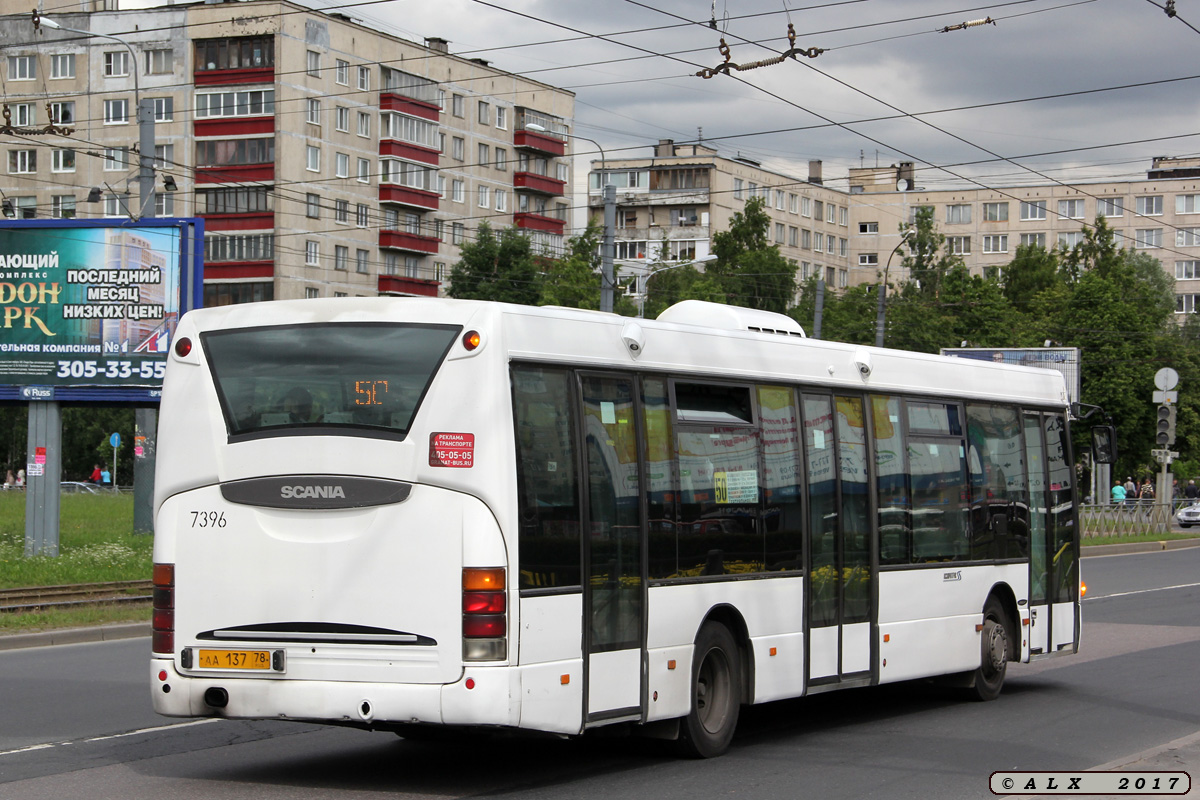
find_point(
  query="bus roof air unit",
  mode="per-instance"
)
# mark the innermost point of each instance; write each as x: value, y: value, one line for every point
x: 733, y: 318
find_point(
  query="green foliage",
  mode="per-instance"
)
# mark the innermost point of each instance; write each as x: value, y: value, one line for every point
x: 500, y: 267
x: 574, y: 281
x: 85, y: 434
x: 749, y: 269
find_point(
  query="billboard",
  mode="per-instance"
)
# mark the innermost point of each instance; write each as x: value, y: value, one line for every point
x: 88, y: 307
x: 1063, y: 359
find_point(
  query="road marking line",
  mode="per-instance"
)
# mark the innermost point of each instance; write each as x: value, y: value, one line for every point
x: 1143, y: 591
x: 155, y: 729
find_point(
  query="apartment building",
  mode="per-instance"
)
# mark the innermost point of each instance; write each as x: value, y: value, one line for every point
x: 671, y: 203
x: 1159, y: 215
x: 325, y: 157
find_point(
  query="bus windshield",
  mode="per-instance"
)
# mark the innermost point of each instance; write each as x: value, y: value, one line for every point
x: 354, y: 378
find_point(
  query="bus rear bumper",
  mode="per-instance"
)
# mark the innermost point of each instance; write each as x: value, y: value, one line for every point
x: 482, y: 696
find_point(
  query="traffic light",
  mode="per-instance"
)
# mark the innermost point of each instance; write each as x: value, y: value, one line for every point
x: 1165, y: 435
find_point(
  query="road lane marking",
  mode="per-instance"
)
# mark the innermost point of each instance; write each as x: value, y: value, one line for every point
x: 1143, y: 591
x: 107, y: 737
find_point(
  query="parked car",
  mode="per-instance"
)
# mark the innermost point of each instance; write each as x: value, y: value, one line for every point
x: 1188, y: 515
x: 79, y: 487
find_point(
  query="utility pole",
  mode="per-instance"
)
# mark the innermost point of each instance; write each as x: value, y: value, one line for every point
x: 608, y: 245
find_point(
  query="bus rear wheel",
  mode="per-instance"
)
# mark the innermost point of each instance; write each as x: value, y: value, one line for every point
x: 993, y: 653
x: 716, y: 694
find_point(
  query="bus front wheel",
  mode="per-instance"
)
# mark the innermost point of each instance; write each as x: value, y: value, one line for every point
x: 993, y: 653
x: 716, y: 693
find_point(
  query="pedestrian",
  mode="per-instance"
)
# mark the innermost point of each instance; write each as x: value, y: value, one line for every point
x: 20, y: 478
x: 1118, y: 493
x: 95, y: 476
x: 105, y: 477
x: 1147, y: 491
x: 1191, y: 491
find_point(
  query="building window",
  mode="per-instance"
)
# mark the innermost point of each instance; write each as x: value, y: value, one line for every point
x: 1187, y: 303
x: 361, y: 260
x: 116, y: 112
x: 341, y: 256
x: 364, y: 79
x: 23, y: 114
x: 314, y: 111
x: 1070, y: 239
x: 995, y: 244
x: 312, y: 205
x: 312, y: 253
x: 793, y: 203
x: 1149, y: 206
x: 502, y: 118
x: 737, y: 188
x: 234, y: 152
x: 314, y: 64
x: 62, y: 160
x: 485, y: 200
x: 793, y: 236
x: 22, y: 161
x: 1034, y: 239
x: 779, y: 194
x: 484, y: 156
x: 806, y: 206
x: 958, y: 245
x: 501, y: 159
x: 220, y: 247
x: 868, y: 259
x: 818, y: 210
x: 459, y: 148
x: 312, y: 159
x: 1110, y: 207
x: 1187, y: 237
x: 958, y: 214
x: 818, y: 241
x: 457, y: 105
x: 830, y: 213
x: 341, y: 211
x: 485, y: 116
x: 457, y: 233
x: 234, y: 200
x: 780, y: 230
x: 458, y: 191
x: 995, y: 212
x: 63, y: 112
x: 1071, y: 209
x: 24, y: 68
x: 242, y: 52
x: 62, y: 206
x: 341, y: 72
x: 364, y: 123
x: 247, y: 103
x: 311, y: 293
x: 160, y: 62
x: 341, y: 119
x: 116, y: 159
x: 62, y: 65
x: 1033, y: 209
x: 116, y: 64
x: 113, y: 207
x: 342, y: 165
x: 842, y: 247
x: 362, y: 215
x: 164, y: 204
x: 164, y: 155
x: 805, y: 239
x: 868, y: 227
x: 501, y: 200
x: 364, y: 170
x: 685, y: 216
x: 1187, y: 270
x: 1187, y: 204
x: 843, y: 278
x: 1147, y: 238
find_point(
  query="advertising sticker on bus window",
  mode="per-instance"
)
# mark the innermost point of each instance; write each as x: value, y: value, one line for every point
x: 452, y: 450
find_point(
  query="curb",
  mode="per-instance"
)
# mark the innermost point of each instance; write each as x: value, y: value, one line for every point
x: 1136, y: 547
x: 102, y: 633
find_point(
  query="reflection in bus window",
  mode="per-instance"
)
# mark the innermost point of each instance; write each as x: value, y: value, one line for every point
x: 891, y: 481
x: 999, y: 501
x: 822, y: 508
x: 782, y: 519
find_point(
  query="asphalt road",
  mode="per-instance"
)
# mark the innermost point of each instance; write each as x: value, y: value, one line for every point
x: 75, y: 722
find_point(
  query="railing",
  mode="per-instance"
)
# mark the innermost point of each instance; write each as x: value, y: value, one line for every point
x: 1127, y: 518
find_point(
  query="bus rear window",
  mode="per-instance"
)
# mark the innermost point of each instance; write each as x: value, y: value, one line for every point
x: 341, y: 378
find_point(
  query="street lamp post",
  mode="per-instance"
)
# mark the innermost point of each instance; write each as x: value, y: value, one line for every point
x: 882, y: 309
x: 608, y: 242
x: 145, y: 116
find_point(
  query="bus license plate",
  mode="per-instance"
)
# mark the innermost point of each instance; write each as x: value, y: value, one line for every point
x: 234, y: 659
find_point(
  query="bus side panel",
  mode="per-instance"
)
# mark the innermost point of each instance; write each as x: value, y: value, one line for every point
x: 927, y: 617
x: 551, y: 644
x: 773, y: 613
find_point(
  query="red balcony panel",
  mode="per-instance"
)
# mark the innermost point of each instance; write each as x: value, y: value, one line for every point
x: 538, y: 183
x: 232, y: 270
x: 411, y: 152
x: 542, y: 142
x: 229, y: 77
x: 537, y: 222
x: 255, y: 221
x: 397, y: 284
x: 389, y: 101
x: 236, y: 174
x: 404, y: 196
x: 233, y: 126
x: 412, y: 242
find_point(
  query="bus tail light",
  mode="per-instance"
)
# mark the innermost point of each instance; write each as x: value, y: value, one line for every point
x: 485, y: 623
x: 163, y: 636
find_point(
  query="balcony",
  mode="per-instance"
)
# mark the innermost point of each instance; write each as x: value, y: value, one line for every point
x: 540, y: 142
x: 538, y: 222
x: 411, y: 198
x: 248, y: 221
x: 401, y: 285
x: 239, y: 270
x: 233, y: 126
x: 236, y: 173
x: 233, y: 77
x: 392, y: 101
x: 409, y: 242
x: 532, y: 182
x: 395, y: 148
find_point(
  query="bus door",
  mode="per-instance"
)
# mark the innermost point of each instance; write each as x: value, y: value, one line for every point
x: 841, y: 575
x: 1054, y: 546
x: 614, y: 589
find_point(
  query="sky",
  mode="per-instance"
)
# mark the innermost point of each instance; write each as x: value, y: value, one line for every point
x: 633, y: 65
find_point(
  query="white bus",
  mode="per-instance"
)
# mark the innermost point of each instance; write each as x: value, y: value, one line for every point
x: 403, y: 513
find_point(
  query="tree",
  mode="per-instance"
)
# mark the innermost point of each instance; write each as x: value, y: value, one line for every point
x: 574, y: 280
x: 751, y: 270
x: 497, y: 267
x: 1032, y: 271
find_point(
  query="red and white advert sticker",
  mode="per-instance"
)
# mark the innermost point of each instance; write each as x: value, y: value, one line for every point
x: 452, y: 450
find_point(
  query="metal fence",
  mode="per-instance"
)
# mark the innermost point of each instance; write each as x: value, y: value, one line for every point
x: 1127, y: 518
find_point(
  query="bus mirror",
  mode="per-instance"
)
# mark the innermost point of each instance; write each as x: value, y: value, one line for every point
x: 1104, y: 444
